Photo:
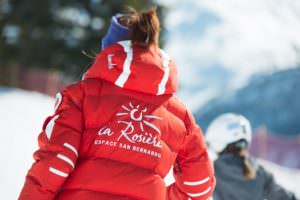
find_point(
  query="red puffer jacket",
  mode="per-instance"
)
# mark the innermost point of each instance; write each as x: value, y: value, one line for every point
x: 117, y: 133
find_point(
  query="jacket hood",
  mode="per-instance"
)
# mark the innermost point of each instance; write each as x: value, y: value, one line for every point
x: 135, y: 68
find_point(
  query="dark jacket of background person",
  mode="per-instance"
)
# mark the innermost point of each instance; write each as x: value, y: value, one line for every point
x: 231, y: 184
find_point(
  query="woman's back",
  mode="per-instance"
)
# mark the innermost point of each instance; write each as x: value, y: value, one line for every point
x: 118, y: 132
x: 131, y: 136
x: 232, y: 184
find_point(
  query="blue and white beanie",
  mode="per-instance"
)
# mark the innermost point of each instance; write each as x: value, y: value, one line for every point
x: 116, y: 32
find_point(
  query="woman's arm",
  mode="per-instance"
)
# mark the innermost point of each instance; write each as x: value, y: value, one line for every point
x: 193, y: 170
x: 58, y: 147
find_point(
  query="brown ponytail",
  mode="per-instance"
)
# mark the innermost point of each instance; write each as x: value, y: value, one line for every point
x: 144, y: 26
x: 249, y: 171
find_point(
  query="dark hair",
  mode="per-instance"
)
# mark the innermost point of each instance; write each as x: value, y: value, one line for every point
x: 235, y: 149
x: 144, y: 26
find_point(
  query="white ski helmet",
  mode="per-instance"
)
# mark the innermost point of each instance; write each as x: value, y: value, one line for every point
x: 226, y: 129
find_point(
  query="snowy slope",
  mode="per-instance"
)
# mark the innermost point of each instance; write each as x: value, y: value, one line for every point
x: 21, y: 118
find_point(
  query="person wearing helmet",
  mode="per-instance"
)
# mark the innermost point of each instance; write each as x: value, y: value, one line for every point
x: 238, y: 175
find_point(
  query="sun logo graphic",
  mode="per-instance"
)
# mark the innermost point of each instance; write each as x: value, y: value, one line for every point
x: 139, y: 115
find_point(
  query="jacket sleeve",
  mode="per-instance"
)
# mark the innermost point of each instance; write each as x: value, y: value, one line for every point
x: 58, y: 147
x: 273, y: 190
x: 193, y: 171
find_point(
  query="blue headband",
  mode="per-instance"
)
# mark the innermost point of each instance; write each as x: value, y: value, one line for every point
x: 116, y: 32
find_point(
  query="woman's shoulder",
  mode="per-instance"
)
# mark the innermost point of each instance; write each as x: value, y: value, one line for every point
x: 178, y: 108
x: 84, y: 86
x: 77, y: 90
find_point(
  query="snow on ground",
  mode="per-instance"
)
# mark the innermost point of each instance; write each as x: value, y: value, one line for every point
x: 21, y: 117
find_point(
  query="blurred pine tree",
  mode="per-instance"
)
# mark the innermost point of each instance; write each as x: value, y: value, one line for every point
x: 52, y: 33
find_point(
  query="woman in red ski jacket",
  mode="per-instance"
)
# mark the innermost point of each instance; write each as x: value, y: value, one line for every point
x: 117, y: 133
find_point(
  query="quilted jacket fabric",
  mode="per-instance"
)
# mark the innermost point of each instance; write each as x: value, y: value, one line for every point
x: 117, y: 133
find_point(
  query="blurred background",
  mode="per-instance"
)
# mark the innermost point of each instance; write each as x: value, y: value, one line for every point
x: 238, y: 56
x: 41, y: 42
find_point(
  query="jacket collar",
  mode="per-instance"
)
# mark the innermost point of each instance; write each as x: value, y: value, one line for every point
x: 148, y: 70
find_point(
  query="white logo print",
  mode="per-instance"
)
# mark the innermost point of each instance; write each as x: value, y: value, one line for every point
x: 109, y: 59
x: 136, y: 117
x: 139, y: 115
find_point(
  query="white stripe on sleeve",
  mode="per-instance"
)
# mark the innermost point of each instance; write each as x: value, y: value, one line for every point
x: 58, y: 101
x: 162, y: 84
x: 57, y: 172
x: 127, y: 63
x: 66, y: 159
x: 195, y: 183
x: 199, y: 194
x: 72, y: 148
x: 50, y: 126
